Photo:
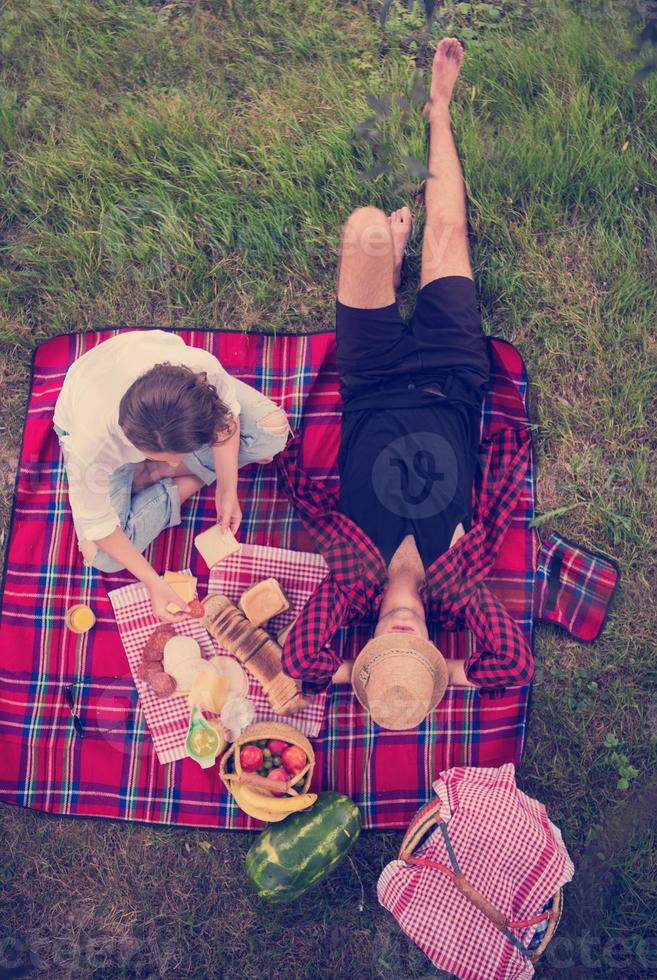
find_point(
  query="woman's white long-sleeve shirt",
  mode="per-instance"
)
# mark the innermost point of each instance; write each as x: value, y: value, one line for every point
x: 87, y: 410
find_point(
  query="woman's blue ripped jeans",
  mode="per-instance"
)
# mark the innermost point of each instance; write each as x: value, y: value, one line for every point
x: 144, y: 514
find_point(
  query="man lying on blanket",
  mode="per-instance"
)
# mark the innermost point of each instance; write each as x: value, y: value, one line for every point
x: 395, y: 539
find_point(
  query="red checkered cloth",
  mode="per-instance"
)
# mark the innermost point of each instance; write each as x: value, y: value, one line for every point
x: 503, y: 843
x: 168, y: 718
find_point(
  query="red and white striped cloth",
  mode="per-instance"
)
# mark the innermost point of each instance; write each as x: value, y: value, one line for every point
x: 299, y: 573
x: 507, y: 849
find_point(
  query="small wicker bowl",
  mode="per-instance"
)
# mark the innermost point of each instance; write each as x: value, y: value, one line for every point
x: 230, y: 770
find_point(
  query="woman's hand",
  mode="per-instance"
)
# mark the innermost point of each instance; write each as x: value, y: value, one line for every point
x: 229, y: 512
x: 161, y: 595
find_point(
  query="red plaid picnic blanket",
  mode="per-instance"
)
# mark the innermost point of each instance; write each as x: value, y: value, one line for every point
x: 503, y: 843
x: 168, y: 718
x: 113, y: 770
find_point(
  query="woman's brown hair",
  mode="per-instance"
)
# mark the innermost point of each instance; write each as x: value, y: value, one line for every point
x: 170, y: 409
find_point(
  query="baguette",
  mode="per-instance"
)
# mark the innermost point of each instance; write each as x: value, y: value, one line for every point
x: 284, y: 695
x: 255, y: 649
x: 295, y: 704
x: 228, y: 625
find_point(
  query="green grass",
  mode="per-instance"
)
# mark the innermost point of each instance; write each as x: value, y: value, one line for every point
x: 192, y: 163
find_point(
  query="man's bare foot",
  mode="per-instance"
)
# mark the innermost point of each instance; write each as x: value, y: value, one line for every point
x: 444, y: 72
x: 400, y: 222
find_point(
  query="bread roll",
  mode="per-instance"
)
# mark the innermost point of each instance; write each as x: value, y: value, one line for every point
x: 263, y: 601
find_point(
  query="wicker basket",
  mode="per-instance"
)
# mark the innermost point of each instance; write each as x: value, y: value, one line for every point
x: 422, y: 826
x: 230, y: 770
x: 555, y: 908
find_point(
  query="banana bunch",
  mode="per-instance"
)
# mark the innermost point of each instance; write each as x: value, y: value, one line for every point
x: 269, y: 808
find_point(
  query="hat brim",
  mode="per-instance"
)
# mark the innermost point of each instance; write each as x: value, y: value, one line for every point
x: 396, y: 645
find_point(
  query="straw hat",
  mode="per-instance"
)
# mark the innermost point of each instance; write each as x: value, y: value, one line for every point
x: 399, y: 678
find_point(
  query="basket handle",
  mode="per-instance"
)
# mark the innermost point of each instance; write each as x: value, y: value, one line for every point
x: 463, y: 886
x: 425, y: 822
x: 498, y: 918
x: 422, y: 823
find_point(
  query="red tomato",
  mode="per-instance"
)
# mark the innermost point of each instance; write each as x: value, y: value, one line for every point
x: 293, y: 758
x: 276, y: 746
x: 277, y: 775
x: 250, y: 758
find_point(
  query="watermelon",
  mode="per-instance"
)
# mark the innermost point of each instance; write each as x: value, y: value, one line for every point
x: 294, y: 854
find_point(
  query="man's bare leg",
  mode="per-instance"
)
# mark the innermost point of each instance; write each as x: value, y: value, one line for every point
x: 371, y: 255
x: 445, y: 244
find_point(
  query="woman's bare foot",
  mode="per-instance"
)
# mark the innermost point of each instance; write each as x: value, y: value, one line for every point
x: 400, y: 222
x: 444, y: 72
x: 145, y: 474
x: 150, y: 471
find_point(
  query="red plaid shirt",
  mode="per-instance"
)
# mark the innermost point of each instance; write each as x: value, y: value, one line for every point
x: 454, y: 593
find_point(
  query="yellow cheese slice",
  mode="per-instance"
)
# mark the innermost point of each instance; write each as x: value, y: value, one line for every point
x: 183, y: 585
x: 175, y: 579
x: 209, y: 691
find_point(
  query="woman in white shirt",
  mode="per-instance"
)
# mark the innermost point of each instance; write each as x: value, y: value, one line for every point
x: 144, y: 421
